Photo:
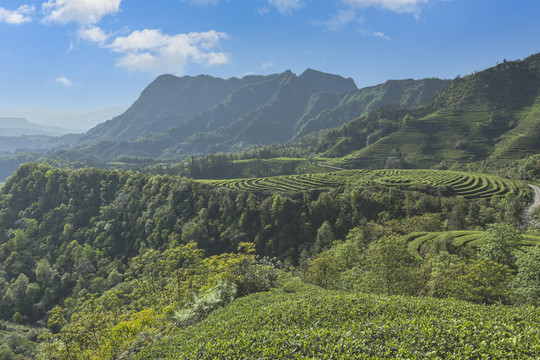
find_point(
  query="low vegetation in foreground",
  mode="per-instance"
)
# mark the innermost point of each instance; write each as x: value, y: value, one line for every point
x: 300, y: 321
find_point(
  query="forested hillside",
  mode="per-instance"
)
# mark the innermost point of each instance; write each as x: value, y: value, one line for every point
x: 222, y: 207
x: 117, y: 264
x: 86, y: 239
x: 490, y: 115
x: 180, y: 116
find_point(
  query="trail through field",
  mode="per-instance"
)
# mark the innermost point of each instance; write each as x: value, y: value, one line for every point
x: 330, y: 166
x: 536, y: 202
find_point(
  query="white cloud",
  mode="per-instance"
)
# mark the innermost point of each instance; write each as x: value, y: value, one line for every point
x: 262, y: 11
x: 339, y: 20
x: 286, y: 6
x: 64, y: 81
x: 381, y: 35
x: 92, y: 33
x: 83, y: 12
x: 400, y: 6
x: 16, y: 17
x: 153, y: 51
x: 267, y: 64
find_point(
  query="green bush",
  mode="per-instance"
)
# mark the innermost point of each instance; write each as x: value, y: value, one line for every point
x: 222, y: 294
x: 6, y: 354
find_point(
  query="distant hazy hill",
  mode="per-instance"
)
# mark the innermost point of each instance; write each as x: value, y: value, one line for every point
x: 80, y: 121
x: 18, y: 127
x: 490, y: 115
x: 169, y: 100
x: 40, y: 143
x: 178, y: 116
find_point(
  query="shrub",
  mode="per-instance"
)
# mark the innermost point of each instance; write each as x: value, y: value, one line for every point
x: 220, y: 295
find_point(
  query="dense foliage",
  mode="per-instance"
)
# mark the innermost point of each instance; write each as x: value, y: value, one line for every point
x: 112, y: 260
x: 18, y: 341
x: 300, y: 321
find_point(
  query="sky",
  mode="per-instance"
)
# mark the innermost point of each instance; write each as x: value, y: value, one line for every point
x: 83, y: 55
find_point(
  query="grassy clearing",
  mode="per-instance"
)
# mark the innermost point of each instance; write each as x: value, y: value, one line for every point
x: 450, y: 135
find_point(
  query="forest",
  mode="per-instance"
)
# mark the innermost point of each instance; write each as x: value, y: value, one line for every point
x: 110, y: 264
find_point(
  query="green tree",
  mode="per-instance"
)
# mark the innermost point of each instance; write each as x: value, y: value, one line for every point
x: 44, y: 272
x: 324, y: 271
x: 501, y: 241
x: 390, y: 268
x: 445, y: 269
x: 527, y: 281
x: 324, y: 238
x: 484, y: 281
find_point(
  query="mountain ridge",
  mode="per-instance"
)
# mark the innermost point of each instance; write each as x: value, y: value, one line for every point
x: 492, y: 115
x: 238, y: 113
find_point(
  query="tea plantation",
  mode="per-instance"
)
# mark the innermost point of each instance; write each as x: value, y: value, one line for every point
x: 468, y: 185
x: 302, y: 321
x: 458, y: 238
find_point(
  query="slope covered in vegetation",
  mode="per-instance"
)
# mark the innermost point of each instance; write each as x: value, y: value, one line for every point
x: 176, y: 117
x: 299, y: 321
x: 114, y: 260
x: 449, y: 183
x: 489, y: 115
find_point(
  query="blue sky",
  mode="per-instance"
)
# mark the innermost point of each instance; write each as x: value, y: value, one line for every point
x: 90, y: 54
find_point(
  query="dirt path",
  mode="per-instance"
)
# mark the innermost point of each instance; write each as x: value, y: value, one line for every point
x: 335, y: 167
x: 536, y: 203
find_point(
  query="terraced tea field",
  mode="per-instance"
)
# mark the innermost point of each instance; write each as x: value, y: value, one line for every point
x: 458, y: 238
x: 303, y: 321
x: 468, y: 185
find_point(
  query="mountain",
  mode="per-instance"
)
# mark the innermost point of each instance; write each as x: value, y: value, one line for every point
x: 491, y: 115
x: 10, y: 126
x: 169, y: 100
x: 180, y: 116
x: 328, y: 82
x: 407, y: 93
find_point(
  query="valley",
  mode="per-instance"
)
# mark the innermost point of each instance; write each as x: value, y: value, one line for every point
x: 281, y: 216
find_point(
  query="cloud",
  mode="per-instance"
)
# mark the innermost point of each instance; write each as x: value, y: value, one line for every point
x: 64, y: 81
x: 340, y: 20
x: 286, y: 6
x: 381, y: 35
x: 267, y: 64
x: 83, y: 12
x: 152, y: 51
x: 262, y: 11
x: 92, y: 33
x: 399, y: 6
x: 16, y: 17
x: 376, y: 34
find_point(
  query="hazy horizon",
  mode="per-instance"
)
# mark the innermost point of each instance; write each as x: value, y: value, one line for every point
x: 70, y: 120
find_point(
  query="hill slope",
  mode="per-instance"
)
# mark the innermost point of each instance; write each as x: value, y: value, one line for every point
x: 304, y: 321
x: 167, y: 101
x: 197, y: 115
x: 490, y: 115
